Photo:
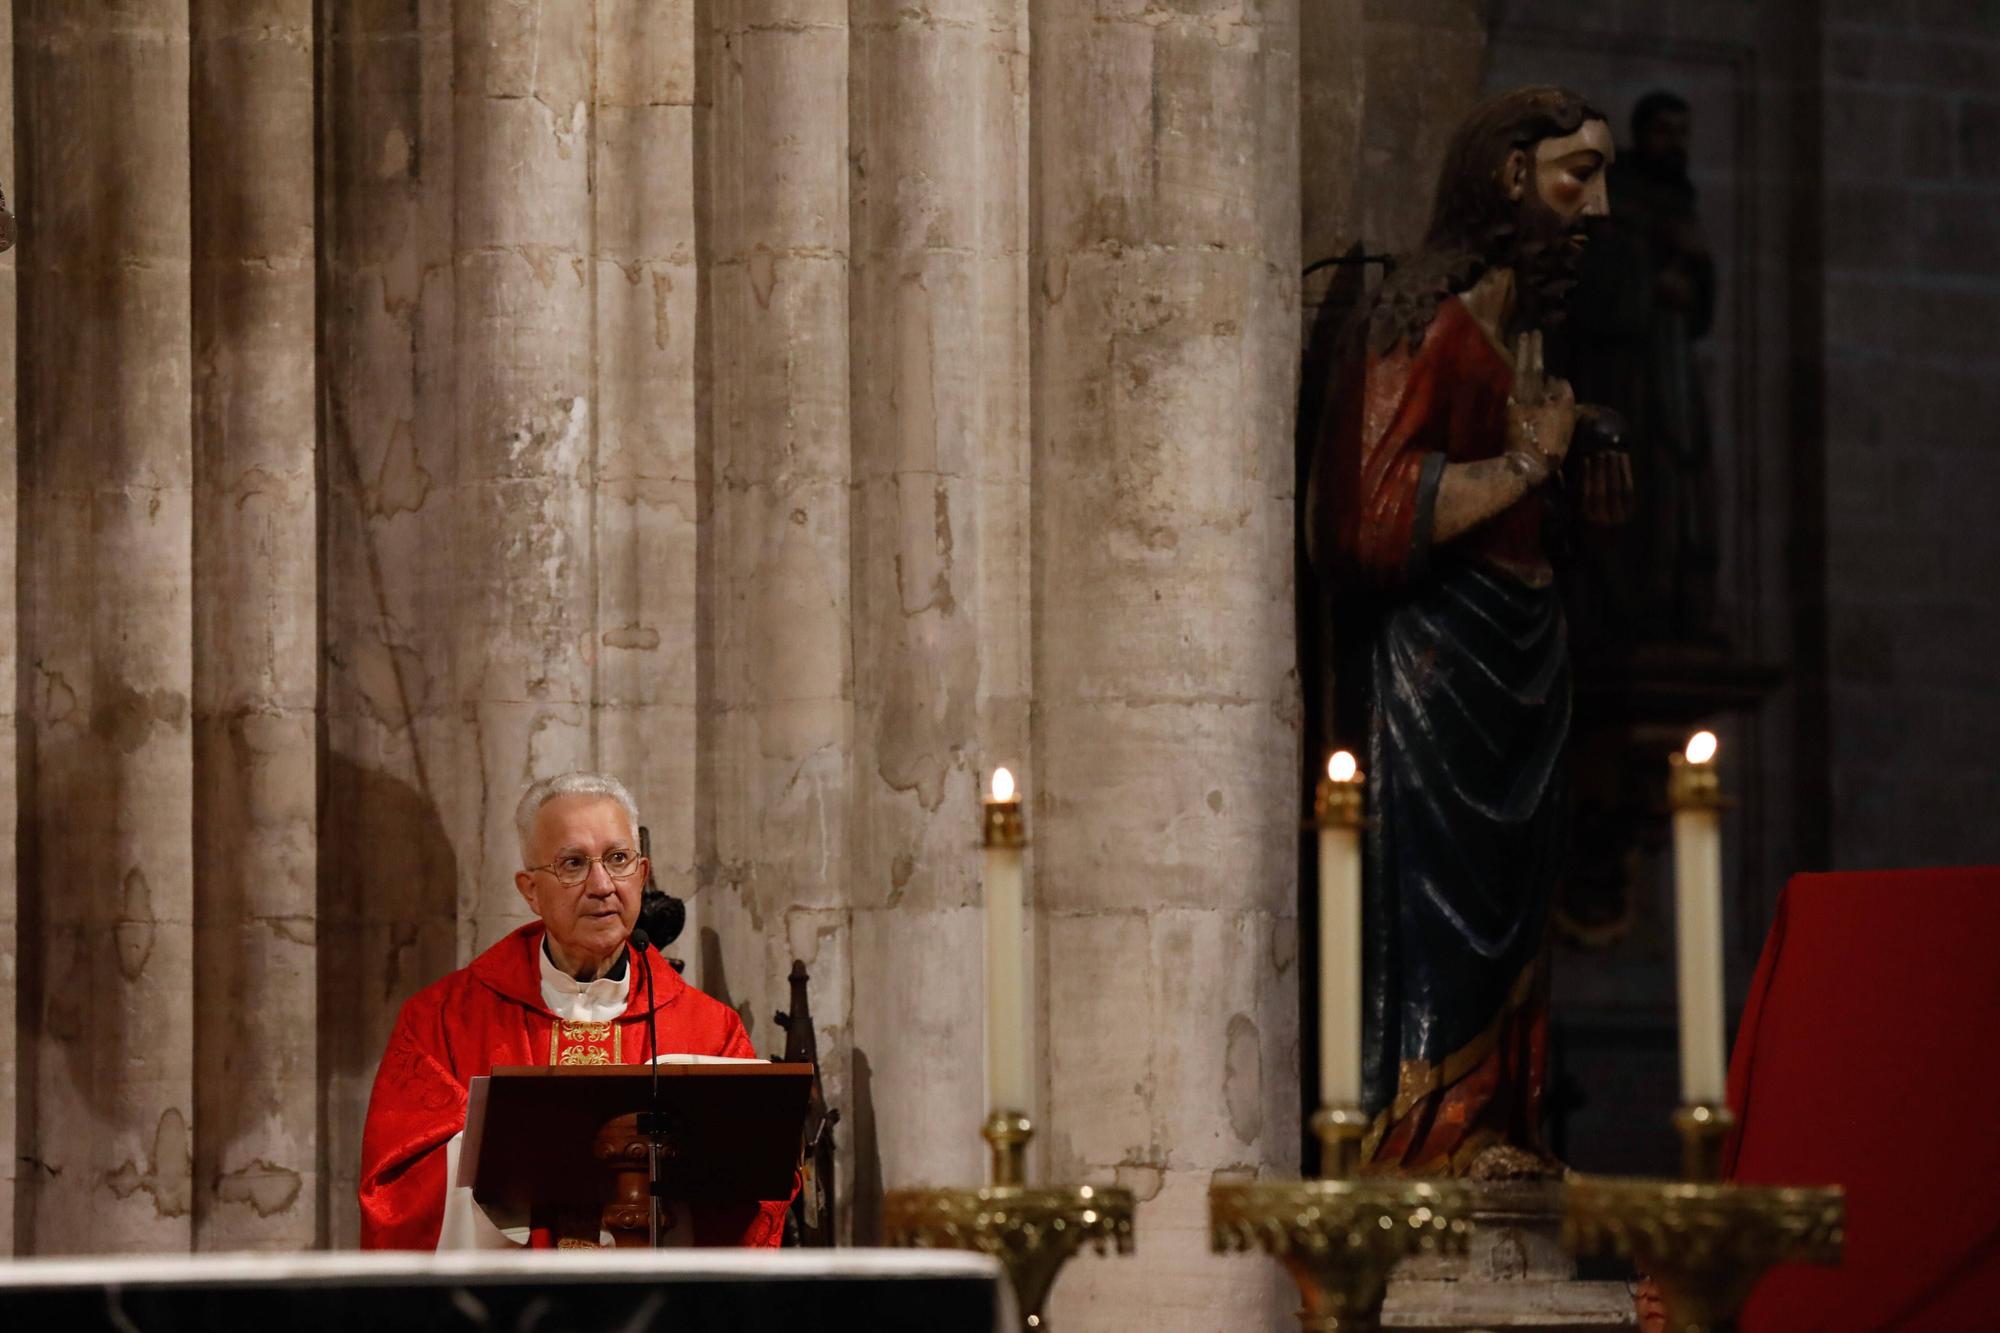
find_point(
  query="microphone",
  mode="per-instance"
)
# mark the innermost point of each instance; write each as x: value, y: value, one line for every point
x: 661, y: 915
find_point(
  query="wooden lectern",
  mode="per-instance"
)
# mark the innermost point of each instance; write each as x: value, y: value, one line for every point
x: 563, y: 1138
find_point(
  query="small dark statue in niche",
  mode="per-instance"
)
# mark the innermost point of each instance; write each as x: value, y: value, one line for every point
x: 1645, y: 297
x: 1448, y: 465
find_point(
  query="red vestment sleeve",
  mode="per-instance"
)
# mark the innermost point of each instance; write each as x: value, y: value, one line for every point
x: 1381, y: 456
x: 416, y: 1106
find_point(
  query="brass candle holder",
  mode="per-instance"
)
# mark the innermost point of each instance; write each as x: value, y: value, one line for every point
x: 1707, y: 1242
x: 1032, y: 1230
x: 1339, y: 1236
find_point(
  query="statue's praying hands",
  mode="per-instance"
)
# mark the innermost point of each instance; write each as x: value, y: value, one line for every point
x: 1542, y: 416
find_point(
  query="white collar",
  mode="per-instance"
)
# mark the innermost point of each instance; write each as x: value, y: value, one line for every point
x: 596, y: 1001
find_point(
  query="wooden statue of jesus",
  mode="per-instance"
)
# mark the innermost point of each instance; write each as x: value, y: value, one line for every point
x: 1438, y: 472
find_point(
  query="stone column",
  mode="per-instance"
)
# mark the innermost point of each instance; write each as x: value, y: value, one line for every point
x: 775, y: 670
x: 1165, y: 316
x: 938, y: 138
x: 103, y: 104
x: 256, y: 622
x: 643, y: 646
x: 388, y: 864
x: 522, y: 613
x: 10, y: 647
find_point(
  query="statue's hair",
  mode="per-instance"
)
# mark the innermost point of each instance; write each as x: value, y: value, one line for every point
x: 1473, y: 222
x: 577, y: 783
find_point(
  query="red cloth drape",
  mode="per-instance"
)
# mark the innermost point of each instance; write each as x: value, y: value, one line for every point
x: 1867, y: 1058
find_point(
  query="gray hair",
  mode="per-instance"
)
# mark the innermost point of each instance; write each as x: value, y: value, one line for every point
x: 577, y: 783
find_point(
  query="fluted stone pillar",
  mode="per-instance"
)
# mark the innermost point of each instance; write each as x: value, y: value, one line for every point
x: 389, y: 861
x: 940, y: 350
x: 776, y: 665
x: 102, y: 100
x: 523, y: 617
x: 10, y: 954
x: 644, y: 642
x: 1165, y: 719
x: 256, y: 626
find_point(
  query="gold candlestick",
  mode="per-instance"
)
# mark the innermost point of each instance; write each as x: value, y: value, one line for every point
x: 1339, y: 1238
x: 1032, y: 1230
x: 1705, y: 1241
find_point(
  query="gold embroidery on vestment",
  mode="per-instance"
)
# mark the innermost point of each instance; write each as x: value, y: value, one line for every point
x: 580, y: 1043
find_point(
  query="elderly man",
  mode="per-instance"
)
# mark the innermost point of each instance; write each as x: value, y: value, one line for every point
x: 560, y: 990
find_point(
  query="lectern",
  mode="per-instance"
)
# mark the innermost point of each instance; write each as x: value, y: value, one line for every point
x: 564, y: 1140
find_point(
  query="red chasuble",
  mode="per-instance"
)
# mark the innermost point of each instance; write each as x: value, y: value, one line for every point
x: 492, y: 1013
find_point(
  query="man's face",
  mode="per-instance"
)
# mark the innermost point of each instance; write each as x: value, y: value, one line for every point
x: 588, y: 923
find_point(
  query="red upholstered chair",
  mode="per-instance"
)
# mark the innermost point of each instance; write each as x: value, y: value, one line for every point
x: 1869, y: 1057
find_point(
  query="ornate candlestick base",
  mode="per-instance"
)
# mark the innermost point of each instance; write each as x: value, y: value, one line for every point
x: 1032, y: 1230
x: 1339, y: 1238
x: 1706, y: 1242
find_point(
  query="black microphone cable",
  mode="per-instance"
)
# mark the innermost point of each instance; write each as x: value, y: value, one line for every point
x: 639, y: 943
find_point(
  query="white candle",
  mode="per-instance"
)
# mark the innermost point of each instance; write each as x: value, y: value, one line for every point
x: 1693, y: 793
x: 1340, y: 933
x: 1006, y: 980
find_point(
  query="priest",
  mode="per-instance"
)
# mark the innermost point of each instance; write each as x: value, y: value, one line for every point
x: 562, y: 990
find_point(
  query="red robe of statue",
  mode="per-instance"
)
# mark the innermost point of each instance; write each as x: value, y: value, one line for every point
x: 492, y: 1013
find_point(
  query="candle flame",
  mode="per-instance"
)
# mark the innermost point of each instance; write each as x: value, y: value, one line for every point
x: 1701, y: 747
x: 1342, y: 767
x: 1003, y: 785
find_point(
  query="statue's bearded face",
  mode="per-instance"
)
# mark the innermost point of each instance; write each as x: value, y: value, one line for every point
x: 1556, y: 194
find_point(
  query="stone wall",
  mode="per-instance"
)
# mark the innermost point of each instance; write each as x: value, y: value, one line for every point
x: 1911, y: 132
x: 1848, y: 172
x: 795, y: 406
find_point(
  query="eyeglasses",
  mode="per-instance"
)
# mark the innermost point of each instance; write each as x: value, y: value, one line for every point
x: 574, y: 869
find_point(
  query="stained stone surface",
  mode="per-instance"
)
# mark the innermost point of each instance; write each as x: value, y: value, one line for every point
x: 10, y: 952
x: 107, y: 816
x: 255, y: 585
x: 798, y: 407
x: 1515, y: 1275
x: 1165, y: 710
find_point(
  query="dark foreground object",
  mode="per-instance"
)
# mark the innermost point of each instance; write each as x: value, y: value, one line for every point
x: 543, y: 1292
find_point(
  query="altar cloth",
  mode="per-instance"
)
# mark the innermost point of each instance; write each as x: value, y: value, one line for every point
x: 1869, y: 1057
x: 574, y: 1291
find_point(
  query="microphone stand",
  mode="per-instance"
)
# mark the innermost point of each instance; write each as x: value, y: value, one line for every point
x: 650, y: 1121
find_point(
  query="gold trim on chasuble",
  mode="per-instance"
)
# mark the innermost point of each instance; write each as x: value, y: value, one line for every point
x: 576, y: 1043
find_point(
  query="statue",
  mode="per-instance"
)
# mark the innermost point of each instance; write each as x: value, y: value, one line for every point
x: 1443, y: 475
x: 1645, y: 296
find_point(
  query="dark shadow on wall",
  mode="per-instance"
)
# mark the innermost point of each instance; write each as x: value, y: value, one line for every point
x: 865, y: 1202
x: 388, y: 891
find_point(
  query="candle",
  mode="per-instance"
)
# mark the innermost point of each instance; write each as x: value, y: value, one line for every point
x: 1694, y: 792
x: 1006, y: 981
x: 1338, y: 813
